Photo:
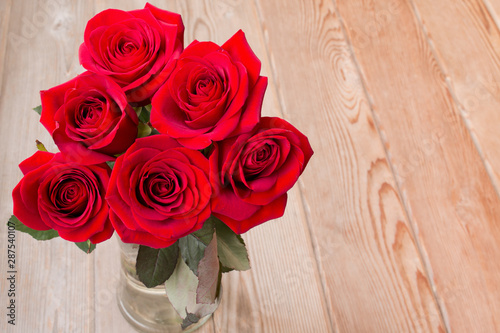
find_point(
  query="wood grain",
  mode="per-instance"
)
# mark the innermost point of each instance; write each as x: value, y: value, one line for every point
x: 478, y: 50
x: 370, y: 263
x: 393, y: 227
x: 446, y: 188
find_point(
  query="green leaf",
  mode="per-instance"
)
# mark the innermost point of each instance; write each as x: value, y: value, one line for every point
x: 36, y: 234
x: 143, y: 130
x: 154, y: 131
x: 181, y: 288
x: 192, y: 250
x: 38, y: 109
x: 181, y: 291
x: 206, y: 233
x: 231, y: 249
x: 111, y: 164
x: 86, y: 247
x: 40, y: 146
x: 225, y: 269
x: 145, y: 115
x: 190, y: 319
x: 193, y: 246
x: 208, y: 275
x: 155, y: 266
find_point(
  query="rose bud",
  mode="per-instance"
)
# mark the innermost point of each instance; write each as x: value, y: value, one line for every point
x: 89, y: 118
x: 159, y: 192
x: 251, y: 173
x: 62, y: 195
x: 213, y: 93
x: 134, y: 48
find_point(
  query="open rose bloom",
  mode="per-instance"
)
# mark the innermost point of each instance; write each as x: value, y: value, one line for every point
x: 164, y: 145
x: 65, y: 196
x: 159, y: 192
x: 213, y: 93
x: 136, y: 48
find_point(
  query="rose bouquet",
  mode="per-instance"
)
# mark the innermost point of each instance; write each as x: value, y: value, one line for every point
x: 166, y: 146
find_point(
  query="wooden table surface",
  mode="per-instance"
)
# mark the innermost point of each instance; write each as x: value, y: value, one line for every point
x: 395, y: 224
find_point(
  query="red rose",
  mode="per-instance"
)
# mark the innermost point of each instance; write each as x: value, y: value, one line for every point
x: 134, y: 48
x: 213, y: 93
x: 64, y: 196
x: 251, y: 173
x: 89, y: 118
x: 159, y: 192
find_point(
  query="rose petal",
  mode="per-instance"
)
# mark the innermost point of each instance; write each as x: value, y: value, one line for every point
x: 265, y: 213
x: 240, y: 51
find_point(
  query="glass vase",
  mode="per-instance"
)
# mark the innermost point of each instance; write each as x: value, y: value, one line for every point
x: 148, y: 309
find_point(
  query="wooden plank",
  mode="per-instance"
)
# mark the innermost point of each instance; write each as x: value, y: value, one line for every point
x: 494, y: 9
x: 371, y: 266
x: 101, y: 5
x: 449, y: 196
x: 472, y: 64
x: 5, y: 8
x: 270, y: 297
x: 54, y: 285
